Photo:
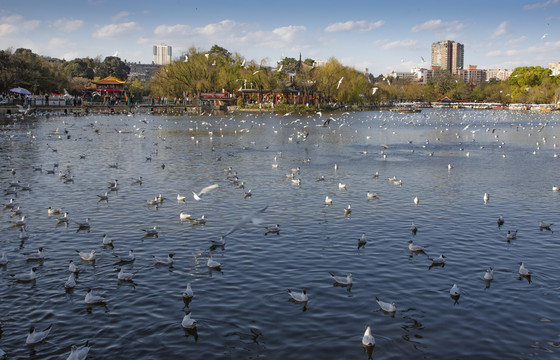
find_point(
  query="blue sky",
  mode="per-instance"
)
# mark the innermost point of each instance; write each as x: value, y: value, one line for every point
x: 379, y: 35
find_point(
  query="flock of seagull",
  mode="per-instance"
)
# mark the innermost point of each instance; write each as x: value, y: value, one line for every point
x: 255, y: 218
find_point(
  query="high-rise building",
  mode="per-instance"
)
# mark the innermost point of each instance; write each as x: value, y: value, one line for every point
x: 447, y: 55
x: 162, y: 54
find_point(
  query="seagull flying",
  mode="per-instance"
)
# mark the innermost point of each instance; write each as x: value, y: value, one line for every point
x: 339, y: 82
x: 253, y: 218
x: 197, y: 197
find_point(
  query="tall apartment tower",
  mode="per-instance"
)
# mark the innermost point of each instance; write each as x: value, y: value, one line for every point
x: 447, y: 55
x: 162, y: 54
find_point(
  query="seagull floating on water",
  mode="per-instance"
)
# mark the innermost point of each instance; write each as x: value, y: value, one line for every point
x: 368, y: 340
x: 188, y: 292
x: 72, y: 267
x: 77, y: 353
x: 163, y: 261
x: 328, y: 200
x: 511, y: 235
x: 489, y: 275
x: 299, y: 296
x: 127, y: 258
x: 39, y: 255
x: 71, y: 282
x: 416, y: 248
x: 87, y: 256
x: 454, y: 290
x: 107, y: 241
x: 523, y: 271
x: 387, y: 307
x: 188, y: 322
x: 500, y: 221
x: 28, y: 276
x: 91, y: 299
x: 342, y: 280
x: 35, y: 337
x: 151, y: 232
x: 124, y: 276
x: 545, y: 226
x: 438, y: 261
x: 213, y: 264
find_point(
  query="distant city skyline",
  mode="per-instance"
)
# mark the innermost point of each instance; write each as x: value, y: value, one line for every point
x: 382, y: 37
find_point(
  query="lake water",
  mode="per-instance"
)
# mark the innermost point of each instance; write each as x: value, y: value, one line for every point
x: 244, y: 310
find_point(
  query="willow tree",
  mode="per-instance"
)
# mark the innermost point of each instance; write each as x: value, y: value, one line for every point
x: 328, y: 77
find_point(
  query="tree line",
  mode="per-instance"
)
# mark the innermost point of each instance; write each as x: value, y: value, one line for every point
x: 219, y: 70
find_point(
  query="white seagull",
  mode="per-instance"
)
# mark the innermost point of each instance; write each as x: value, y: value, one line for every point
x: 188, y: 322
x: 184, y: 216
x: 35, y: 337
x: 213, y: 264
x: 71, y: 282
x: 439, y: 260
x: 26, y: 277
x: 3, y: 259
x: 151, y: 232
x: 124, y: 276
x: 181, y: 197
x: 523, y: 271
x: 51, y: 211
x: 127, y: 258
x: 72, y: 267
x: 454, y: 290
x: 328, y: 200
x: 339, y: 82
x: 489, y: 275
x: 87, y: 256
x: 107, y: 240
x: 91, y: 299
x: 162, y: 261
x: 511, y: 235
x: 413, y: 247
x: 198, y: 197
x: 77, y: 353
x: 299, y: 296
x: 251, y: 218
x: 390, y: 308
x: 368, y: 339
x: 39, y: 255
x: 343, y: 280
x: 188, y: 292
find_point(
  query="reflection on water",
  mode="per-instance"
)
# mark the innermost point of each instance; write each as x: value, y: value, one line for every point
x: 448, y: 159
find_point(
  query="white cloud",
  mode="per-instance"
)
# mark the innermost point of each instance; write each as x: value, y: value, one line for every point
x: 31, y: 25
x: 229, y: 32
x: 399, y: 44
x: 7, y: 29
x: 288, y: 33
x: 67, y: 25
x: 438, y: 25
x: 221, y: 28
x: 513, y: 42
x: 116, y: 30
x: 179, y: 29
x: 120, y: 15
x: 12, y: 19
x: 357, y: 26
x: 500, y: 30
x: 542, y: 5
